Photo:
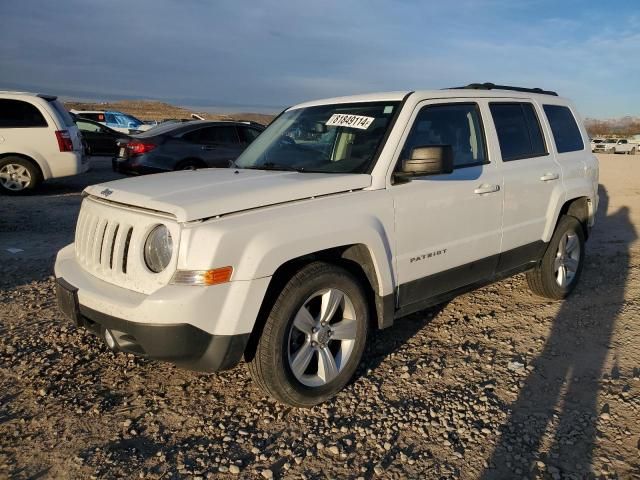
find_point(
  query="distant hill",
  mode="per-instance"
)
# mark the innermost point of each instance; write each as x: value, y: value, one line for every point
x: 623, y: 126
x: 152, y: 110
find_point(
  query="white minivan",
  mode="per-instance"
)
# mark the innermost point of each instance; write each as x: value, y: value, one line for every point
x: 38, y: 141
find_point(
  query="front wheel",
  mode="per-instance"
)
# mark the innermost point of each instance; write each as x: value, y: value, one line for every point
x: 558, y: 272
x: 313, y: 338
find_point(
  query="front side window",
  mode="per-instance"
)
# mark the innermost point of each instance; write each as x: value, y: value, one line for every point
x: 457, y: 125
x: 336, y: 138
x: 19, y: 114
x: 518, y: 129
x: 564, y: 128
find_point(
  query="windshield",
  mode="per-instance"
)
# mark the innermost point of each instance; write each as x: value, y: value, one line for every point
x: 610, y: 140
x: 340, y: 138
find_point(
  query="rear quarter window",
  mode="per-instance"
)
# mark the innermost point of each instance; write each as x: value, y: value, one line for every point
x: 20, y: 114
x: 566, y: 133
x: 67, y: 121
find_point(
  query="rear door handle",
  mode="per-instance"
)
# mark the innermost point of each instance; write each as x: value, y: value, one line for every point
x: 547, y: 177
x: 484, y: 188
x: 208, y: 147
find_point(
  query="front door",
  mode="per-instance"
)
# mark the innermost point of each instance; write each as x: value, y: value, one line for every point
x: 448, y: 227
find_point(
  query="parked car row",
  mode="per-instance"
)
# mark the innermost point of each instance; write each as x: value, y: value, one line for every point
x: 40, y: 140
x: 614, y: 145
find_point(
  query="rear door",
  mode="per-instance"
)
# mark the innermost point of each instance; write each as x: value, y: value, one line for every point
x: 532, y: 178
x: 220, y: 145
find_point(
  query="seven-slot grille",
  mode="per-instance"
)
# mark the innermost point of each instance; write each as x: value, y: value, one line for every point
x: 102, y: 243
x: 109, y: 244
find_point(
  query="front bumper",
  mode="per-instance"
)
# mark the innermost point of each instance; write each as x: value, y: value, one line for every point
x: 181, y: 344
x: 200, y: 328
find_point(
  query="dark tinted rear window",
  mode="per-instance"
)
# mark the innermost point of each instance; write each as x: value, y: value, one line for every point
x: 19, y: 114
x: 62, y: 112
x: 518, y: 130
x: 565, y: 130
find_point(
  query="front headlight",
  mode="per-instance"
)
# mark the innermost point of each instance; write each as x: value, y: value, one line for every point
x: 158, y: 249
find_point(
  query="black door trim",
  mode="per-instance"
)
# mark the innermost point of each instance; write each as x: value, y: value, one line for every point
x: 442, y: 286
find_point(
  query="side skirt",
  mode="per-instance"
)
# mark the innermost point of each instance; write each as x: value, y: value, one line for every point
x: 456, y: 281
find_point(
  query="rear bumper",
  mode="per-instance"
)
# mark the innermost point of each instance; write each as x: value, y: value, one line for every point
x: 134, y: 166
x: 65, y: 164
x: 181, y: 344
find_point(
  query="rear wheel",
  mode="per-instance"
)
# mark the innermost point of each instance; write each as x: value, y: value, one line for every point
x: 558, y: 272
x: 314, y: 337
x: 18, y: 176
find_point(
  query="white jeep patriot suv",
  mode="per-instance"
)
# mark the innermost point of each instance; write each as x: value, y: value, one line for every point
x: 344, y: 215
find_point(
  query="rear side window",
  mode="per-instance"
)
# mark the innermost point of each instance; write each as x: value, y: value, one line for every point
x: 566, y: 133
x: 219, y: 135
x: 19, y: 114
x: 518, y: 130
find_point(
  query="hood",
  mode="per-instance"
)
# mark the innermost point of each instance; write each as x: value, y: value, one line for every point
x: 195, y: 194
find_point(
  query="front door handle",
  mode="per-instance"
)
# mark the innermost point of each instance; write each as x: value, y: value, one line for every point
x: 547, y: 177
x: 208, y: 147
x: 484, y: 188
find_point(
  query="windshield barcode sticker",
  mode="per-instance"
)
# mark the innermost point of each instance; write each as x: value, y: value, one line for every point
x: 353, y: 121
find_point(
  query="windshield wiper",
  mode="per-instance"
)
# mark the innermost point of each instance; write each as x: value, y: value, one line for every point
x: 276, y: 166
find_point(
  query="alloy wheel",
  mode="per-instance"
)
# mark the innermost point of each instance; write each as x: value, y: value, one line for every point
x: 567, y: 259
x: 322, y: 337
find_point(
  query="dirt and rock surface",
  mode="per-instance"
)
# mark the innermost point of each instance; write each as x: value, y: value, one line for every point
x: 495, y: 384
x: 154, y: 110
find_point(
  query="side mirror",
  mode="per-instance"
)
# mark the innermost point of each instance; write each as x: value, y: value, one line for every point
x: 428, y: 160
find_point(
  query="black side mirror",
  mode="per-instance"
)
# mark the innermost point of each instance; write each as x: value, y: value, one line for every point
x: 428, y: 160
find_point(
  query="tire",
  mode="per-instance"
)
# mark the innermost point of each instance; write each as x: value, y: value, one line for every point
x: 300, y: 361
x: 558, y: 272
x: 18, y: 176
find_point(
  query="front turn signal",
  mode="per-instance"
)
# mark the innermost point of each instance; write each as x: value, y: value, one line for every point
x: 202, y: 277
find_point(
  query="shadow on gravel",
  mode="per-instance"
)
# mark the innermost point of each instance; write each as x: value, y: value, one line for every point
x: 389, y: 340
x: 560, y: 394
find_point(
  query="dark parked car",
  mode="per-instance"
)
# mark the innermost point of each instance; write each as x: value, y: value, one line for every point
x: 185, y: 146
x: 100, y: 140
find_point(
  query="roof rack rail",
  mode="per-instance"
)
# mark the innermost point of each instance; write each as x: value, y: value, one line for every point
x: 493, y: 86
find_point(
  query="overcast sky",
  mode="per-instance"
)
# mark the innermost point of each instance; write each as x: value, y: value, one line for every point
x: 275, y: 53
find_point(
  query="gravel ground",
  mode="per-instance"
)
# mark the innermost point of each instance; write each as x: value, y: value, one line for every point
x: 495, y: 384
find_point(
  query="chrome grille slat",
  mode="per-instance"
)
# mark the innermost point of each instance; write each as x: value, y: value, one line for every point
x: 119, y: 250
x: 107, y: 245
x: 98, y: 240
